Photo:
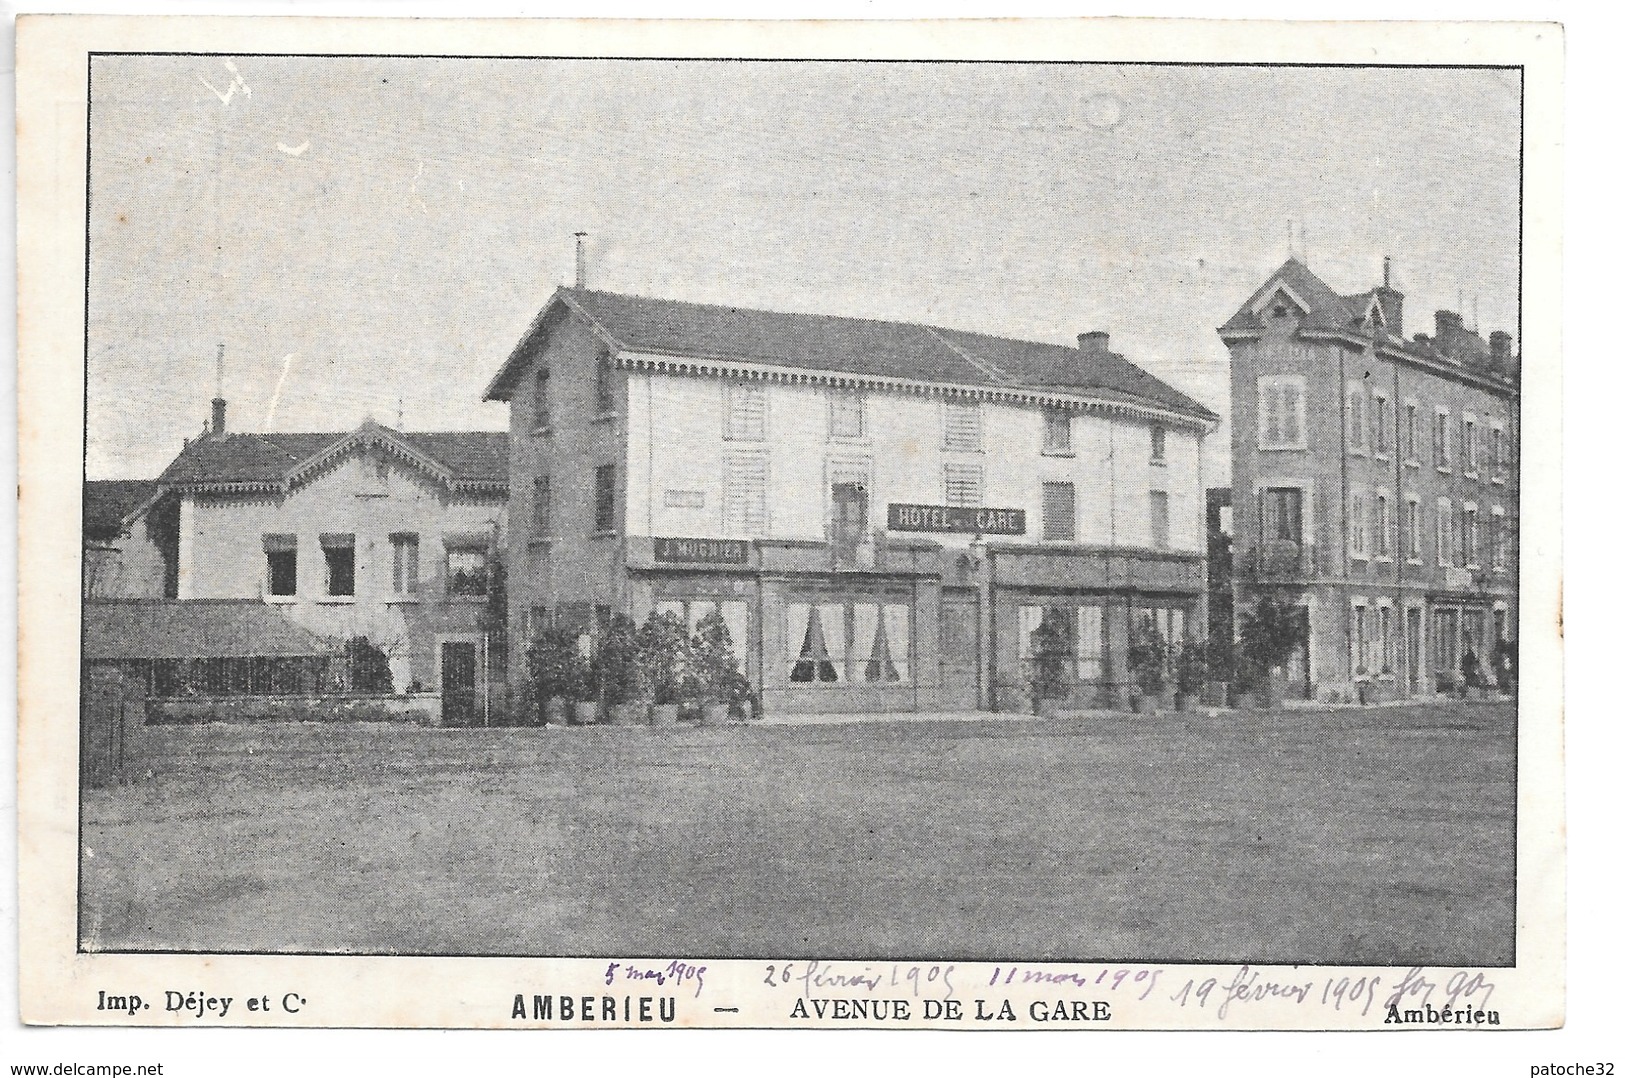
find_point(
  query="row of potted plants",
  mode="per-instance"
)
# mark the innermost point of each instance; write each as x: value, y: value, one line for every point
x: 654, y: 673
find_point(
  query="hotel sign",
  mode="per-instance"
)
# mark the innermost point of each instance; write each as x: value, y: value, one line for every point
x: 902, y: 517
x: 702, y: 551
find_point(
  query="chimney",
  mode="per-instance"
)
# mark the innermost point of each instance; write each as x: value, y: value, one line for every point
x: 581, y: 260
x: 1094, y: 343
x: 217, y: 410
x: 1501, y: 351
x: 1392, y: 300
x: 1447, y: 332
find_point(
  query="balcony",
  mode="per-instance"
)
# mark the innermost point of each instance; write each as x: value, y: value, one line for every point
x: 1279, y: 560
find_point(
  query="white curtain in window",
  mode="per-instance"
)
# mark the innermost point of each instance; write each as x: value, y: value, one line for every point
x: 697, y: 610
x: 1091, y: 640
x: 897, y: 638
x: 669, y: 606
x: 734, y: 616
x: 1031, y: 618
x: 833, y: 622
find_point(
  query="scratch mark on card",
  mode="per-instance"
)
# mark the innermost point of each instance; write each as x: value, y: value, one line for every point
x: 232, y: 87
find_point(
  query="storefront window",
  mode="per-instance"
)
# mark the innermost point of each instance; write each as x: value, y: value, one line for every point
x: 693, y: 611
x: 848, y: 641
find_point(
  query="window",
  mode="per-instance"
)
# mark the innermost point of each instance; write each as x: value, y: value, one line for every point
x: 467, y: 571
x: 1362, y: 641
x: 1498, y: 538
x: 1283, y: 514
x: 1159, y: 519
x: 1469, y: 446
x: 849, y: 514
x: 844, y: 641
x: 1060, y: 513
x: 745, y: 495
x: 1357, y: 525
x: 281, y: 564
x: 1357, y: 417
x: 1280, y: 412
x: 1441, y: 440
x: 747, y: 412
x: 963, y: 483
x: 603, y: 505
x: 404, y: 564
x: 846, y: 413
x: 1443, y: 532
x: 1384, y: 526
x: 1057, y: 431
x: 1469, y: 535
x: 962, y: 426
x: 1412, y: 423
x: 539, y: 404
x: 338, y: 550
x: 541, y: 520
x: 1497, y: 448
x: 1159, y: 445
x: 604, y: 383
x: 1413, y: 528
x: 1385, y: 424
x: 1385, y: 637
x: 1091, y: 638
x: 1446, y: 639
x: 691, y: 612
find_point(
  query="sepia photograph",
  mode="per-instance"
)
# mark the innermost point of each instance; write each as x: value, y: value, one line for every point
x: 580, y: 507
x: 579, y: 528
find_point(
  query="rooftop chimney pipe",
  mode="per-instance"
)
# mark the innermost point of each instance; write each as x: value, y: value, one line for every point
x: 1094, y: 343
x: 581, y: 260
x: 217, y: 407
x: 1387, y: 271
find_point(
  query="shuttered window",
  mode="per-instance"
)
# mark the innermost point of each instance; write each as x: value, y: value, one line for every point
x: 846, y: 413
x: 963, y: 483
x: 962, y: 426
x: 745, y: 495
x: 1443, y: 532
x: 1057, y: 431
x: 1159, y: 519
x: 1060, y: 512
x: 1280, y: 412
x: 1358, y: 421
x: 404, y: 562
x: 542, y: 511
x: 603, y: 517
x: 747, y: 412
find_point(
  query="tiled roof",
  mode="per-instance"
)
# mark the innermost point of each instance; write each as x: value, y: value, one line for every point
x: 193, y: 629
x: 477, y: 457
x: 850, y: 346
x: 109, y: 501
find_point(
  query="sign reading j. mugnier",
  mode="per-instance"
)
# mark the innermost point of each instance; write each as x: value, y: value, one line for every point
x: 902, y: 517
x: 703, y: 551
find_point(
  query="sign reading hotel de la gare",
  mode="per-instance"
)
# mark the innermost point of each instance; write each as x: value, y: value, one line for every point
x: 903, y: 517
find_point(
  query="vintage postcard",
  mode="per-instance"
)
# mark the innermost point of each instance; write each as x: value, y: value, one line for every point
x: 1018, y: 525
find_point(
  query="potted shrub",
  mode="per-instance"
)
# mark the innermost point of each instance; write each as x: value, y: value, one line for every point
x: 663, y: 647
x: 713, y: 665
x: 1270, y: 632
x: 1190, y: 672
x: 621, y: 673
x: 585, y: 709
x: 741, y: 700
x: 1504, y: 662
x: 555, y: 674
x: 1472, y: 675
x: 1220, y: 658
x: 1147, y: 666
x: 1047, y: 676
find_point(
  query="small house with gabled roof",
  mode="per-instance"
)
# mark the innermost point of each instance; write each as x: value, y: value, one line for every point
x: 886, y: 514
x: 373, y: 532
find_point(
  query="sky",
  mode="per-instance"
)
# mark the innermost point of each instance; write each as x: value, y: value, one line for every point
x: 370, y: 237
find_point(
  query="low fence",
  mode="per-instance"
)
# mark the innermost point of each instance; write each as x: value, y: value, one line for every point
x: 420, y: 708
x: 251, y: 676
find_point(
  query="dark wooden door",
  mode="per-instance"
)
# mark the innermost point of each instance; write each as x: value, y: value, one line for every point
x: 457, y: 682
x: 959, y: 651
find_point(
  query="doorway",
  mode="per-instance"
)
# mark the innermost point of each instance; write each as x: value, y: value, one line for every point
x: 959, y: 652
x: 1413, y: 649
x: 458, y: 665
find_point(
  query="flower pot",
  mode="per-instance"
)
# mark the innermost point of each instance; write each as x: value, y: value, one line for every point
x: 1188, y: 701
x: 1143, y: 705
x: 1362, y: 692
x: 743, y: 711
x: 1049, y: 708
x: 665, y: 715
x: 714, y: 715
x: 585, y: 712
x: 630, y: 713
x: 1168, y: 698
x: 556, y: 711
x: 1216, y: 694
